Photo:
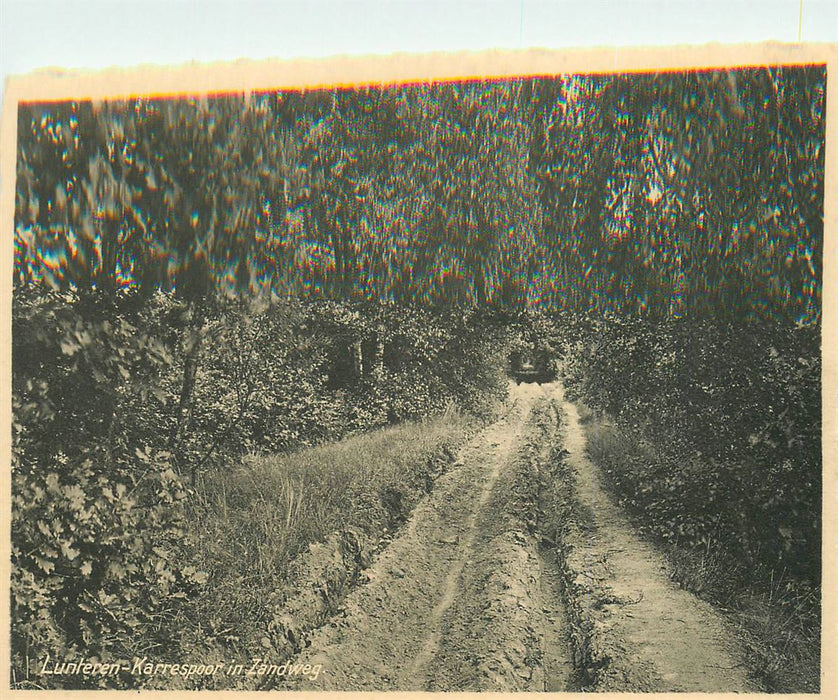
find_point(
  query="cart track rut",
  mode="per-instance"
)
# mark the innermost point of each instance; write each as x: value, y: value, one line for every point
x: 467, y: 599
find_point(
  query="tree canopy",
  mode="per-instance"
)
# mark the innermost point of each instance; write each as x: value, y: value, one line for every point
x: 667, y: 194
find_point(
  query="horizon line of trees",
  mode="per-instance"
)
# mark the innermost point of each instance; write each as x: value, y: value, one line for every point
x: 694, y: 193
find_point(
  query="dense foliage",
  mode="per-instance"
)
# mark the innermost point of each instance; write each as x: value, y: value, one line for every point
x: 728, y: 418
x: 694, y: 193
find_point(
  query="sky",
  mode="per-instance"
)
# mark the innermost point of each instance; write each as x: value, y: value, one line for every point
x: 103, y: 33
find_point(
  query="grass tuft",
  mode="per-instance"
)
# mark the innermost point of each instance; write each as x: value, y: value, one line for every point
x: 252, y: 524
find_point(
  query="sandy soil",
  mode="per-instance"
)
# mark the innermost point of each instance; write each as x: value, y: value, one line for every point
x: 457, y: 601
x: 652, y: 635
x: 463, y: 599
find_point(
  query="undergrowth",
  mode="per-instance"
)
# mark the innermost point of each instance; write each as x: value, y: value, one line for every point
x: 777, y: 620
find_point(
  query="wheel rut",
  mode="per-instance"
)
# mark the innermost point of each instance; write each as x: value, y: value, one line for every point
x: 501, y: 449
x: 473, y: 596
x: 454, y: 602
x: 644, y: 632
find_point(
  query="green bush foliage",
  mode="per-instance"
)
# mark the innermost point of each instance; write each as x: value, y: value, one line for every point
x: 123, y: 404
x: 726, y: 420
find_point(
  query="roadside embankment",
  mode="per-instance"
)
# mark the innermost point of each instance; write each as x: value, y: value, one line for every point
x: 285, y: 538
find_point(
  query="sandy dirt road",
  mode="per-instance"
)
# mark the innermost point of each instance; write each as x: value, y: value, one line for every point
x: 458, y: 601
x: 464, y: 599
x: 655, y: 636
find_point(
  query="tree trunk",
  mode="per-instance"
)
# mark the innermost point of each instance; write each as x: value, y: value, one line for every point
x: 357, y: 358
x: 377, y: 369
x: 192, y: 348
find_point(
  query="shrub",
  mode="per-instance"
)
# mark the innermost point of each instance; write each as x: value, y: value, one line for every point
x: 97, y: 510
x: 730, y: 420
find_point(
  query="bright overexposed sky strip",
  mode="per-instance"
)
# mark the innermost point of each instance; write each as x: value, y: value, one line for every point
x: 103, y: 33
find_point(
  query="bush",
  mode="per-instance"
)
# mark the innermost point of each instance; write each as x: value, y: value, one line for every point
x: 97, y: 510
x: 727, y: 419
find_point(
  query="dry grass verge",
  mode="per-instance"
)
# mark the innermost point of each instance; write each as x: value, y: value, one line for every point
x: 284, y: 538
